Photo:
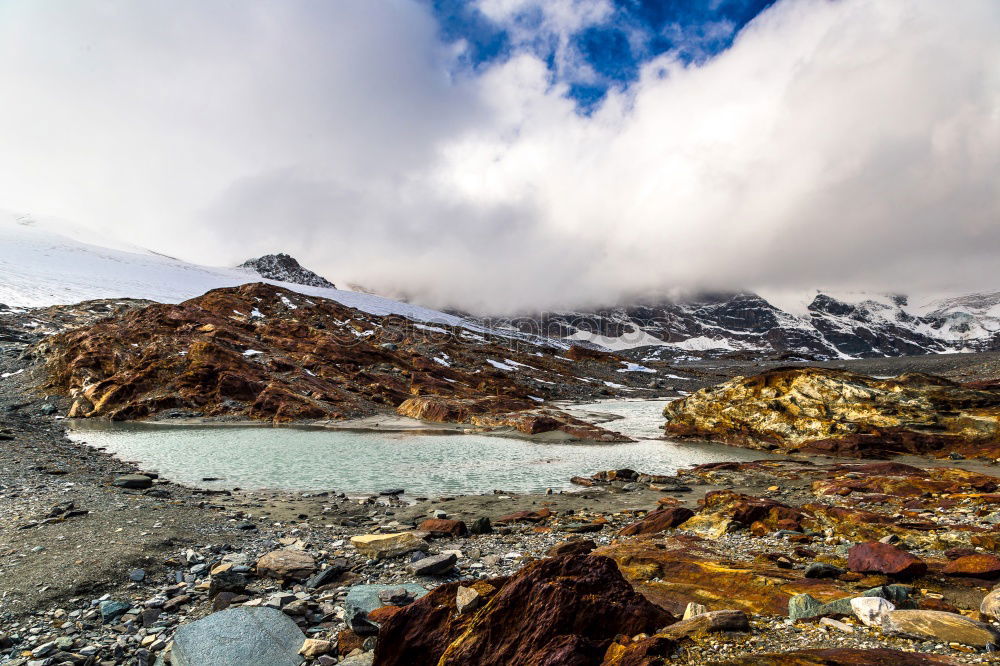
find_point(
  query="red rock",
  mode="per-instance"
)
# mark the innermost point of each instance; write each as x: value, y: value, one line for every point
x: 380, y: 615
x: 575, y: 547
x: 658, y: 521
x: 561, y: 611
x: 348, y: 641
x: 525, y: 516
x: 980, y: 565
x: 884, y: 558
x: 644, y: 652
x: 444, y: 527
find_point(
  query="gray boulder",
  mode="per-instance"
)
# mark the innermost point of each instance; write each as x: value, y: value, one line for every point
x: 239, y: 637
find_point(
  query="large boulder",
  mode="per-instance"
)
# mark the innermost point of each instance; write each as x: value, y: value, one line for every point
x: 557, y: 611
x: 980, y: 565
x: 366, y: 598
x: 239, y: 637
x: 884, y: 558
x: 381, y: 546
x: 658, y: 521
x: 941, y: 626
x: 287, y: 564
x: 991, y: 605
x: 839, y: 412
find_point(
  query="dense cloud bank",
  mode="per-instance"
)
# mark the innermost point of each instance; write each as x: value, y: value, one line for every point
x: 847, y: 144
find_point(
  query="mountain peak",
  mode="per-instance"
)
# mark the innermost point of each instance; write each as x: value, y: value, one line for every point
x: 285, y: 268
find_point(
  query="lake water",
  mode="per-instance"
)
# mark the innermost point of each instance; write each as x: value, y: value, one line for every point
x: 358, y: 462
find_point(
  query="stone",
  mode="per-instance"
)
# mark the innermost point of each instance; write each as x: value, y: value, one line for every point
x: 836, y: 624
x: 658, y: 521
x: 941, y: 626
x: 365, y: 598
x: 875, y: 557
x: 481, y: 525
x: 648, y: 651
x: 679, y: 569
x: 693, y: 609
x: 435, y: 565
x: 227, y: 581
x: 574, y: 547
x: 381, y: 546
x: 111, y: 610
x: 467, y: 599
x: 314, y: 647
x: 133, y: 481
x: 710, y: 622
x: 560, y: 610
x: 395, y: 596
x: 802, y: 606
x: 991, y: 605
x: 980, y: 566
x: 443, y: 527
x: 822, y: 570
x: 137, y: 575
x: 807, y: 608
x: 392, y: 492
x: 837, y: 412
x: 582, y: 528
x: 871, y: 611
x: 328, y: 575
x: 363, y: 659
x: 239, y: 637
x: 286, y: 564
x: 348, y: 641
x: 526, y: 516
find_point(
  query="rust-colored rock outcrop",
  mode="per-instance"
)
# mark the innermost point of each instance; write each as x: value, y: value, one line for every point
x: 884, y: 558
x: 842, y: 413
x: 560, y: 611
x: 262, y: 352
x: 658, y: 521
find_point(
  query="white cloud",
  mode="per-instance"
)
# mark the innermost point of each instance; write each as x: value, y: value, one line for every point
x: 850, y: 144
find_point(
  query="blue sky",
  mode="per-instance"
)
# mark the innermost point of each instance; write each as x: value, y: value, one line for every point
x: 632, y: 32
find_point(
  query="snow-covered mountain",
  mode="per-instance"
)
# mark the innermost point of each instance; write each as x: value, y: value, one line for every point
x: 48, y: 262
x: 284, y: 268
x: 814, y: 326
x: 45, y: 262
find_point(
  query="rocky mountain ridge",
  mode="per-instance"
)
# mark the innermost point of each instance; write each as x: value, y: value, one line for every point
x: 746, y: 324
x: 285, y: 268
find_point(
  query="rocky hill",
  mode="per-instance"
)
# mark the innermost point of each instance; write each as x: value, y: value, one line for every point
x: 263, y: 352
x: 838, y: 412
x: 745, y: 324
x: 284, y: 268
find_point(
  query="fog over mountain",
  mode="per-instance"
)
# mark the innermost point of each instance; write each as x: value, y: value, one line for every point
x: 843, y: 145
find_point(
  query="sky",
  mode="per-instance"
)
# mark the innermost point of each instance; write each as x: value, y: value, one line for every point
x: 514, y: 155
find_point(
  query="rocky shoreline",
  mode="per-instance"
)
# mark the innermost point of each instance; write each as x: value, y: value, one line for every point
x: 111, y: 577
x: 791, y: 561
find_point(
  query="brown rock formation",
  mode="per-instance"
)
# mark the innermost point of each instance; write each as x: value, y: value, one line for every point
x: 658, y: 521
x: 884, y: 558
x: 560, y: 611
x: 262, y: 352
x: 683, y: 569
x: 839, y: 412
x: 444, y: 527
x: 981, y: 565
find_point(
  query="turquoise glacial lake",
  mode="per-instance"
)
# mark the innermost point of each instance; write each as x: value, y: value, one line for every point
x: 358, y: 462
